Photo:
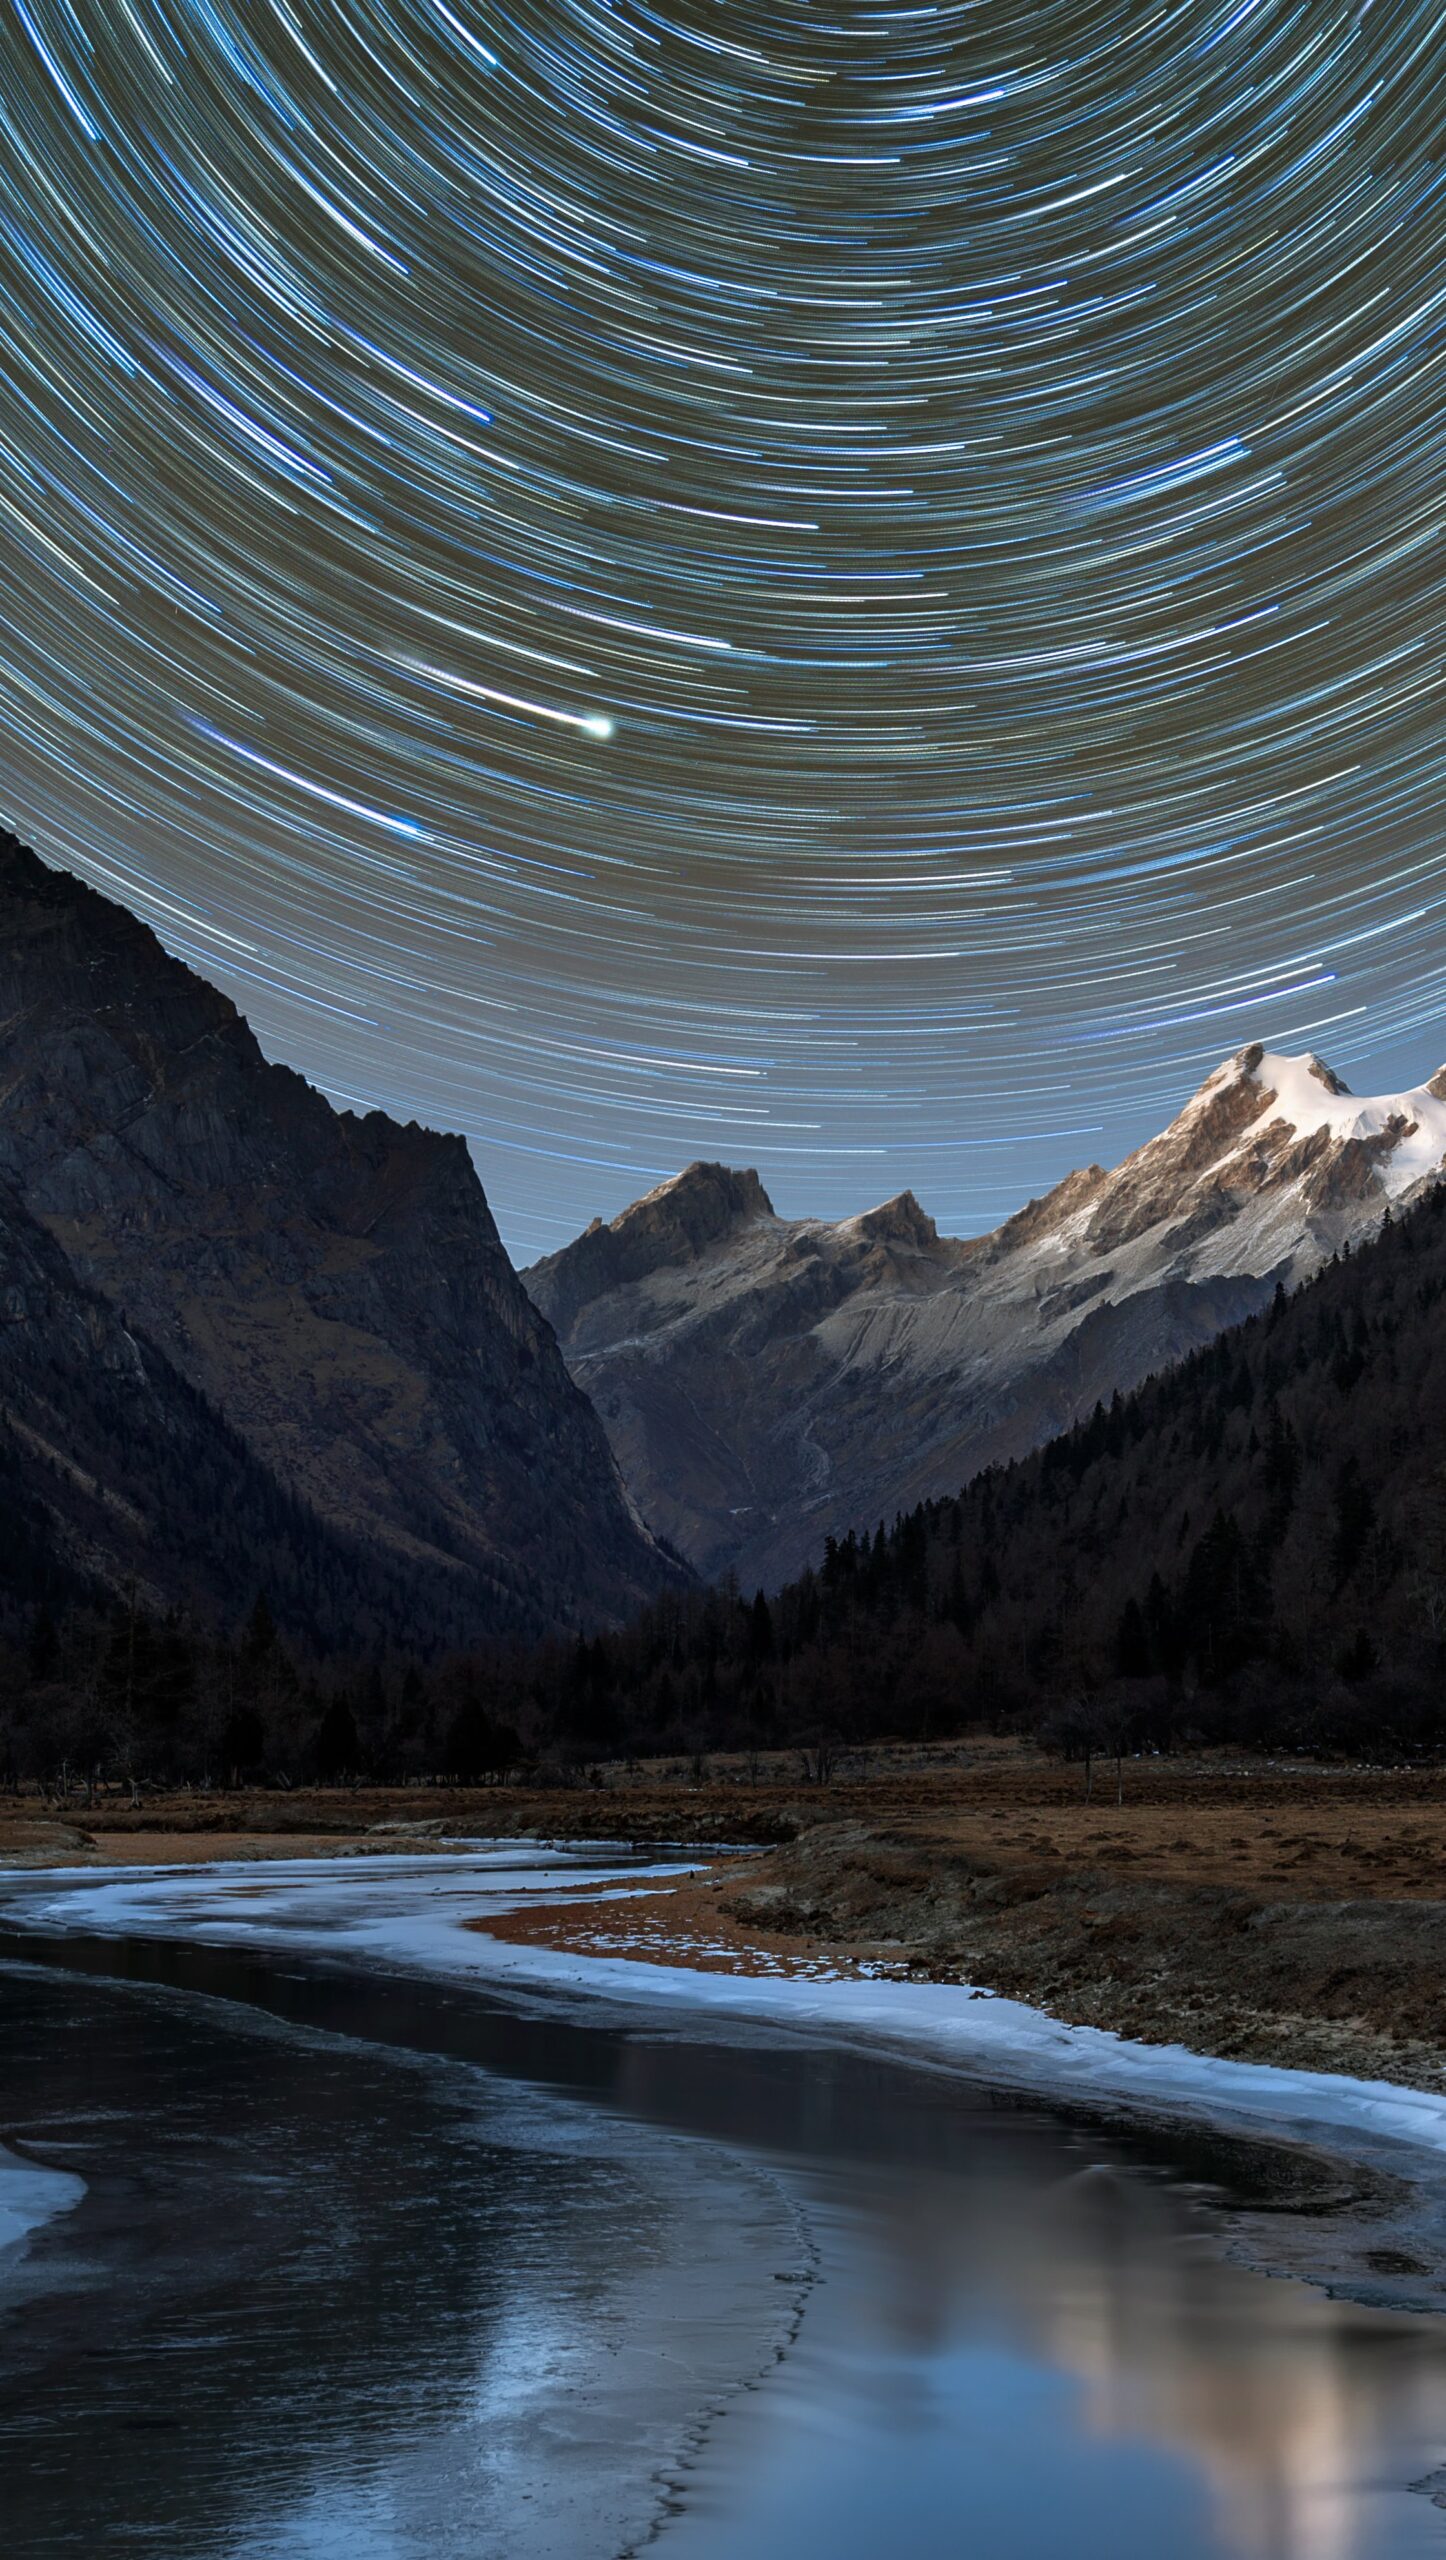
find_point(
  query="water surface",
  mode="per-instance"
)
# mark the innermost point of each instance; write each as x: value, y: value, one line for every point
x: 408, y: 2271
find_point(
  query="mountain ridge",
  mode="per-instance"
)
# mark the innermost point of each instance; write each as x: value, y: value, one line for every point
x: 776, y: 1380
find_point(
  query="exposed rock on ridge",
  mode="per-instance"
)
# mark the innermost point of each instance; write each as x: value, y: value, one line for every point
x: 334, y: 1285
x: 768, y: 1380
x: 670, y: 1226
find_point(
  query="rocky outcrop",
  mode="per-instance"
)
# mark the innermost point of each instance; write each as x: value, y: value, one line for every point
x: 671, y: 1226
x: 332, y: 1285
x: 766, y: 1381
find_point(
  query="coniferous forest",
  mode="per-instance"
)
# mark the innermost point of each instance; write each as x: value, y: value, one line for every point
x: 1250, y: 1548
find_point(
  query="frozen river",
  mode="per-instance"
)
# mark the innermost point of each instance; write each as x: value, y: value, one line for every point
x: 308, y: 2256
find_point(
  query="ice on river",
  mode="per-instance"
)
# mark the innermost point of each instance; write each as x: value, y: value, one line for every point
x: 411, y: 1912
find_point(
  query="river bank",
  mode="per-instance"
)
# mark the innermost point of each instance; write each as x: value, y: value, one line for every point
x: 1353, y: 1986
x: 489, y: 1917
x: 1280, y: 1912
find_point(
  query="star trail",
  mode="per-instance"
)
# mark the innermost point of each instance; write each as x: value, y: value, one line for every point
x: 855, y: 590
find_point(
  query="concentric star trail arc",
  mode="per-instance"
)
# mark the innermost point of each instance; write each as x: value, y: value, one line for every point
x: 855, y: 589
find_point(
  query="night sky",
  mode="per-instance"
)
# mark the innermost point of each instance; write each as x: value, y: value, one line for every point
x: 855, y: 590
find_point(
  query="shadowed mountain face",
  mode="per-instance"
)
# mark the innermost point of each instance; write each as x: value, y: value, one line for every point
x: 333, y: 1286
x: 117, y: 1475
x: 766, y: 1381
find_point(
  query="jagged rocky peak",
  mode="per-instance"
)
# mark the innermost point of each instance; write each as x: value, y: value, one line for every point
x: 1042, y: 1216
x: 1326, y: 1075
x: 700, y: 1202
x: 900, y: 1222
x: 333, y: 1283
x: 670, y: 1227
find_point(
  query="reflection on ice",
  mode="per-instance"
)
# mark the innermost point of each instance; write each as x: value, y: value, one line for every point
x: 320, y: 2289
x: 1023, y: 2369
x: 29, y: 2196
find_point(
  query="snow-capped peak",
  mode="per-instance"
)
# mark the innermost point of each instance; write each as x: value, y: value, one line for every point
x: 1310, y: 1098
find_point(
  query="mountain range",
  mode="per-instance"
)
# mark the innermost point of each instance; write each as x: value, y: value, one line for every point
x: 768, y: 1381
x: 1247, y: 1549
x: 226, y: 1303
x: 249, y: 1340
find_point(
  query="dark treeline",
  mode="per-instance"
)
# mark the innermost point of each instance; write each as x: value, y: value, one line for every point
x: 1250, y: 1548
x: 113, y: 1696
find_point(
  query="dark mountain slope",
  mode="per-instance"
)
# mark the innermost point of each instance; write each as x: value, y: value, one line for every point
x: 333, y: 1286
x: 117, y: 1477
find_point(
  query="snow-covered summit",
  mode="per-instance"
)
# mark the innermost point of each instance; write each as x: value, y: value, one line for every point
x: 1273, y: 1157
x: 1407, y: 1131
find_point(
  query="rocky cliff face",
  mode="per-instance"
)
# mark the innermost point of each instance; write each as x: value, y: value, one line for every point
x: 118, y: 1477
x: 333, y: 1286
x: 768, y: 1380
